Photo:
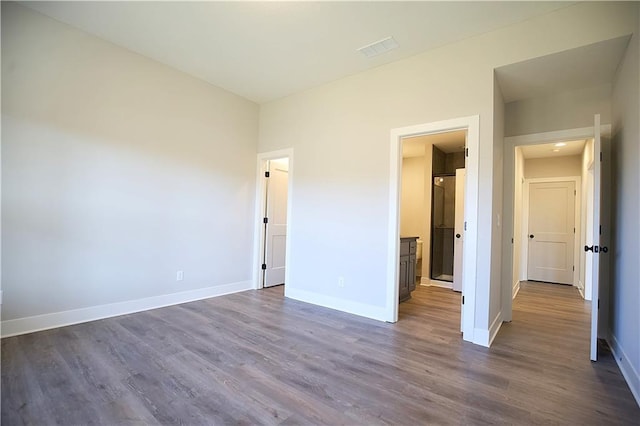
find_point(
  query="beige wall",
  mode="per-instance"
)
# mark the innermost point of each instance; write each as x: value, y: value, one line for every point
x: 519, y: 264
x: 117, y: 171
x: 553, y: 167
x: 565, y: 110
x: 624, y: 258
x: 412, y: 214
x: 332, y: 125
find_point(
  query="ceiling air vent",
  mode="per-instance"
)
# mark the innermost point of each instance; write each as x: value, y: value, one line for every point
x: 378, y: 47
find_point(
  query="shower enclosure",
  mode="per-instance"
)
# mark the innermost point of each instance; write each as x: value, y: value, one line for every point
x: 442, y: 227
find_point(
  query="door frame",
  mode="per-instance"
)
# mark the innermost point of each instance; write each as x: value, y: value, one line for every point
x: 508, y: 210
x: 261, y: 199
x: 577, y: 208
x: 472, y: 125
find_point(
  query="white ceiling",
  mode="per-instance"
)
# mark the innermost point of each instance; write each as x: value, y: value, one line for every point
x: 548, y: 149
x: 447, y: 142
x: 268, y: 50
x: 586, y: 66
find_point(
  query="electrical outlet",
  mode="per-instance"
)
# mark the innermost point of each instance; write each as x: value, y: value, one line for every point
x: 341, y: 282
x: 179, y: 276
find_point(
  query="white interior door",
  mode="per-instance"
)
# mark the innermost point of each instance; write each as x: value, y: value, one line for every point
x: 458, y: 246
x: 458, y: 230
x: 588, y: 268
x: 594, y: 248
x: 276, y: 223
x: 551, y: 231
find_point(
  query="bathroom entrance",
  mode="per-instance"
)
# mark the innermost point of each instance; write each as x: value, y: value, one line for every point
x: 410, y: 216
x: 431, y: 205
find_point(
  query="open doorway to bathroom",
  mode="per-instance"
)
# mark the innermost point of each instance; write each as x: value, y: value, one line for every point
x: 459, y: 310
x: 432, y: 198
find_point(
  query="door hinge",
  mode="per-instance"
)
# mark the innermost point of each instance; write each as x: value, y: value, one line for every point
x: 574, y: 230
x: 600, y: 230
x: 465, y: 225
x: 264, y: 266
x: 601, y: 156
x: 512, y: 241
x: 463, y: 300
x: 575, y: 192
x: 574, y: 268
x: 265, y: 220
x: 266, y: 174
x: 466, y: 152
x: 598, y: 303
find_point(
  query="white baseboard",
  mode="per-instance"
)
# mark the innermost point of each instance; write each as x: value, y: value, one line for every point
x: 425, y: 281
x: 60, y: 319
x: 443, y: 284
x: 356, y: 308
x: 485, y: 337
x: 581, y: 289
x: 516, y: 289
x: 629, y: 373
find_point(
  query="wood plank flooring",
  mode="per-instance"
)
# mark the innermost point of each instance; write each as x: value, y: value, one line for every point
x: 257, y: 358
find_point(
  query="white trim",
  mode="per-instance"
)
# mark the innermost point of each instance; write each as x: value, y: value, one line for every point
x: 577, y: 209
x: 60, y: 319
x: 356, y: 308
x: 628, y: 371
x: 485, y: 337
x: 258, y: 234
x: 441, y: 284
x: 547, y: 137
x: 495, y: 327
x: 516, y: 289
x: 472, y: 125
x: 425, y: 281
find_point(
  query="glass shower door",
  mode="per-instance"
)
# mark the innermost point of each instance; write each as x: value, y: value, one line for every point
x: 442, y: 228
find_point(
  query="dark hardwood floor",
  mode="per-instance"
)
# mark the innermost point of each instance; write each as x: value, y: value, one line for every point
x: 257, y: 358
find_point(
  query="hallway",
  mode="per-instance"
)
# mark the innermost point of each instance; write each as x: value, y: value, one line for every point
x: 541, y: 359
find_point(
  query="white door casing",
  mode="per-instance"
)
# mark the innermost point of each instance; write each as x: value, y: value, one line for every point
x: 470, y: 258
x: 551, y: 231
x: 508, y: 209
x: 276, y: 226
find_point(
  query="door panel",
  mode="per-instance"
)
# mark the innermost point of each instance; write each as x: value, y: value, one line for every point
x: 458, y: 230
x: 595, y: 243
x: 551, y: 231
x: 276, y: 228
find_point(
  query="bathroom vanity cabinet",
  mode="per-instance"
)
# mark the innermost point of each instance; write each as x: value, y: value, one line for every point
x: 407, y: 275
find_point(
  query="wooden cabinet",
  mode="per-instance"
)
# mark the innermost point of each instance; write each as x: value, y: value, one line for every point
x: 407, y: 275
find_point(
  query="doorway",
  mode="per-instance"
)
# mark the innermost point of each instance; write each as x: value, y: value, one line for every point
x: 273, y: 217
x: 514, y: 270
x: 469, y: 263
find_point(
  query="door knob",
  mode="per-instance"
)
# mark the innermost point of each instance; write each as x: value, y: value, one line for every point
x: 587, y: 248
x: 604, y: 249
x: 458, y: 235
x: 531, y: 236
